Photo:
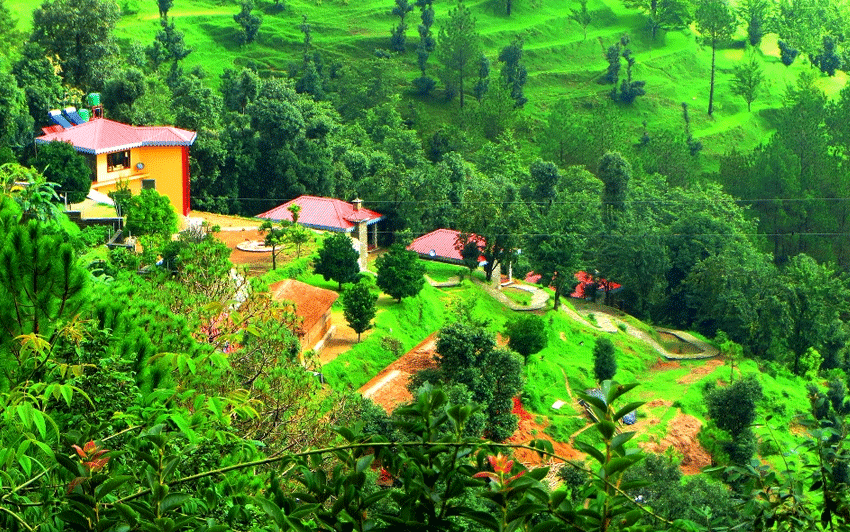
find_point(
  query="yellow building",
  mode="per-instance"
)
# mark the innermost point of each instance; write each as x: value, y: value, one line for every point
x: 143, y: 157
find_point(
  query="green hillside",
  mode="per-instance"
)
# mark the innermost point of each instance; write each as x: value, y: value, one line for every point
x: 560, y: 61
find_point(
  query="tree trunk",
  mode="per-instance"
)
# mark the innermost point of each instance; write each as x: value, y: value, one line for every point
x: 274, y: 257
x: 711, y: 86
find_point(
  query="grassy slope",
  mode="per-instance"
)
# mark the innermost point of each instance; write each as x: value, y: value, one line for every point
x: 567, y: 356
x: 561, y: 63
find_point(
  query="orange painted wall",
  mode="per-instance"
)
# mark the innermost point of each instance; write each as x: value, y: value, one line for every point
x: 162, y: 163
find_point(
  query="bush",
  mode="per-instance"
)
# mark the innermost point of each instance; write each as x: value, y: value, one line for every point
x: 604, y: 360
x: 124, y: 259
x: 91, y: 236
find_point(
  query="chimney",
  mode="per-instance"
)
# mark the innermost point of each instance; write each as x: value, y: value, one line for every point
x: 357, y: 204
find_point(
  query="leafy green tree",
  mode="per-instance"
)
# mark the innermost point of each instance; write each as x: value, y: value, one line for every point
x: 527, y: 335
x: 459, y: 45
x: 274, y: 237
x: 483, y: 82
x: 513, y: 72
x: 150, y: 213
x: 80, y: 32
x: 36, y: 74
x: 716, y: 23
x: 571, y: 136
x: 239, y: 88
x: 787, y: 53
x: 10, y: 35
x: 755, y: 14
x: 582, y: 17
x: 60, y: 163
x: 604, y: 360
x: 615, y: 173
x: 747, y: 81
x: 815, y: 296
x: 358, y: 306
x: 164, y: 6
x: 493, y: 213
x: 557, y: 249
x: 733, y: 409
x: 337, y: 260
x: 400, y: 274
x: 828, y: 59
x: 471, y: 254
x: 288, y: 145
x: 425, y: 84
x: 248, y: 22
x: 168, y: 44
x: 664, y: 15
x: 15, y: 121
x: 467, y: 355
x: 399, y: 33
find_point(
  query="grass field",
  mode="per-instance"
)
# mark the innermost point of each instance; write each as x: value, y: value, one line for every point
x: 562, y: 64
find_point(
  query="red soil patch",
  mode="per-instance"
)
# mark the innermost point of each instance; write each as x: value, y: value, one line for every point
x: 393, y: 392
x: 698, y: 372
x: 257, y: 262
x: 682, y: 436
x: 529, y: 430
x: 665, y: 365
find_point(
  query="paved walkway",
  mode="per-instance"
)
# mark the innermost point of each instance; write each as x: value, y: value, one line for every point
x: 607, y: 322
x: 538, y: 297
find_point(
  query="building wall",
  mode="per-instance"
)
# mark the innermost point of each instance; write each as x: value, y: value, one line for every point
x: 165, y: 164
x: 317, y: 332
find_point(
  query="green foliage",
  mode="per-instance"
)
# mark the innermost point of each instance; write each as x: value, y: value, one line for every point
x: 248, y: 22
x: 80, y: 33
x: 747, y: 81
x: 527, y: 335
x: 150, y: 213
x: 358, y: 303
x: 459, y: 47
x: 716, y: 23
x: 604, y: 360
x: 467, y: 355
x: 60, y: 163
x: 400, y: 273
x: 43, y: 288
x: 337, y: 260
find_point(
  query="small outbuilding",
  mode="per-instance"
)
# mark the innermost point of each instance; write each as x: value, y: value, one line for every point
x: 313, y: 306
x: 442, y: 245
x: 330, y: 214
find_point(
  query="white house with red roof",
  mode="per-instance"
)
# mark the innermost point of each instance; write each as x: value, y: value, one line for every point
x: 143, y: 157
x: 330, y: 214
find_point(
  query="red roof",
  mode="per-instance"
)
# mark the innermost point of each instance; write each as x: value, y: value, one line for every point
x: 311, y: 302
x: 441, y: 244
x: 324, y: 213
x: 584, y: 279
x: 106, y: 136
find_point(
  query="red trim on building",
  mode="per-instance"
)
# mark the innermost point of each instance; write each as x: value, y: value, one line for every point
x: 186, y: 196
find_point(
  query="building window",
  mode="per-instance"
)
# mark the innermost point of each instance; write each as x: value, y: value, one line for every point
x: 117, y: 161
